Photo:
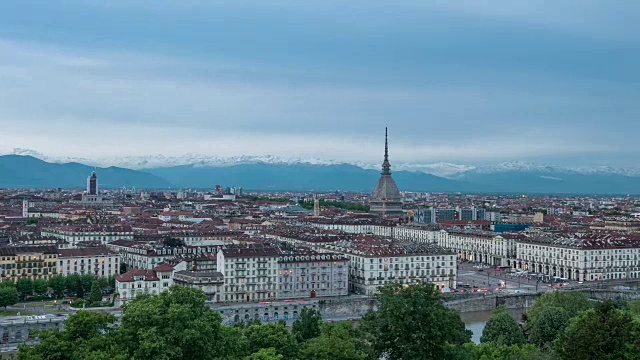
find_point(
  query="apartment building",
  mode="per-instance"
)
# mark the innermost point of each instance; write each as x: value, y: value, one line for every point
x: 96, y: 261
x: 74, y: 234
x: 209, y: 282
x: 250, y: 272
x: 310, y: 274
x: 139, y: 281
x: 377, y: 261
x: 35, y: 262
x: 593, y: 256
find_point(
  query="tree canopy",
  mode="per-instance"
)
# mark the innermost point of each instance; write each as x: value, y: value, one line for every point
x: 336, y: 342
x: 547, y: 325
x: 571, y: 301
x: 600, y: 333
x: 412, y: 323
x: 502, y: 329
x: 307, y: 326
x: 8, y: 296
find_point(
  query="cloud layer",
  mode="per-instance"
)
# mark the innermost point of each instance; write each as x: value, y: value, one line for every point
x: 474, y: 83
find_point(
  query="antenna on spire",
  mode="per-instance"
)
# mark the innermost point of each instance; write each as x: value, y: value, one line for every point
x: 385, y: 164
x: 386, y: 144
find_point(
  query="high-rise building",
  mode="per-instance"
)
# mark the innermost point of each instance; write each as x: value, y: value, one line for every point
x: 92, y: 184
x: 386, y: 199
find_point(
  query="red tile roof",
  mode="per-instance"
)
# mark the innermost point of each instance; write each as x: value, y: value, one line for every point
x: 91, y: 251
x: 149, y: 275
x: 163, y: 268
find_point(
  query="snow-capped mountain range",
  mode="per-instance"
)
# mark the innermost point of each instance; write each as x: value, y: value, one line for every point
x: 442, y: 169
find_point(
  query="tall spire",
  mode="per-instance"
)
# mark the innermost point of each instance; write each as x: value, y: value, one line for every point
x: 385, y: 164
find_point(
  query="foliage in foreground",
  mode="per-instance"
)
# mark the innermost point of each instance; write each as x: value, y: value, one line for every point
x: 412, y: 323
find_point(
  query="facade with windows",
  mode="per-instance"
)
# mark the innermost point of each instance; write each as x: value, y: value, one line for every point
x: 75, y: 234
x: 210, y: 282
x: 96, y: 261
x: 376, y: 261
x: 136, y: 282
x: 34, y: 262
x: 250, y: 272
x: 596, y: 256
x: 311, y: 274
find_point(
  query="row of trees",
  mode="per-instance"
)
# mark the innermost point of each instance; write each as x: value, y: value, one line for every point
x: 411, y: 323
x: 337, y: 204
x: 58, y: 286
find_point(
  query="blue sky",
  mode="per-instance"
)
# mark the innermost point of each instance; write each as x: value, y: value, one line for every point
x: 459, y: 81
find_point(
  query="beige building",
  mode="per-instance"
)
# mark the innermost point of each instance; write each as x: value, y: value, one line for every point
x: 34, y: 262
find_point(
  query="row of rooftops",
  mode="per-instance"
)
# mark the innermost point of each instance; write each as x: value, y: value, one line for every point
x: 583, y: 240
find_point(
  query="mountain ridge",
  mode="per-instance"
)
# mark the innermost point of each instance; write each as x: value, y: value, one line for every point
x: 20, y: 171
x: 442, y: 169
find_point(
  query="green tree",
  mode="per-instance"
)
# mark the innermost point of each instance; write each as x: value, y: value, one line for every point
x: 271, y: 335
x: 572, y: 301
x: 96, y: 293
x: 8, y: 296
x: 57, y: 284
x: 336, y: 342
x: 412, y: 323
x: 601, y: 333
x: 25, y: 287
x: 491, y: 351
x: 634, y: 346
x: 176, y: 324
x: 86, y: 283
x: 7, y: 283
x: 548, y: 324
x: 265, y: 354
x: 233, y: 343
x: 73, y: 285
x: 86, y: 335
x: 307, y: 326
x: 40, y: 286
x: 634, y: 307
x: 502, y: 329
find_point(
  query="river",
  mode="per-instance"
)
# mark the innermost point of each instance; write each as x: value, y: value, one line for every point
x: 475, y: 321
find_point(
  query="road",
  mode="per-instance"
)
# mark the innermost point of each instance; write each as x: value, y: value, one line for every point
x: 491, y: 279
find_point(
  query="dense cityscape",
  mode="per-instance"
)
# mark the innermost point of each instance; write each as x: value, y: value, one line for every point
x: 269, y: 258
x: 329, y: 180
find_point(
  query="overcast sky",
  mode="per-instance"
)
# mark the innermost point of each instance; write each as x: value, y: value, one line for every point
x: 470, y: 82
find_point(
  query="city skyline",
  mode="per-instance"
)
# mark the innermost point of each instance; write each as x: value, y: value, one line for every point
x: 466, y: 84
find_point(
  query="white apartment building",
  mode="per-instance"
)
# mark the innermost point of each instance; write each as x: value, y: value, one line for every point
x: 75, y: 234
x: 310, y: 274
x: 581, y: 257
x: 470, y: 245
x: 96, y: 261
x: 480, y: 246
x: 375, y: 262
x: 146, y: 255
x: 136, y: 282
x: 250, y: 272
x: 419, y: 233
x: 373, y: 226
x: 210, y: 282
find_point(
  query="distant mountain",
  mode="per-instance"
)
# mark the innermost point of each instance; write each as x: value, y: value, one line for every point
x: 281, y: 173
x: 304, y: 177
x: 25, y: 171
x: 520, y: 177
x: 442, y: 169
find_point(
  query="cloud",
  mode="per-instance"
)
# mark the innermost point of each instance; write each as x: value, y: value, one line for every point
x: 483, y: 82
